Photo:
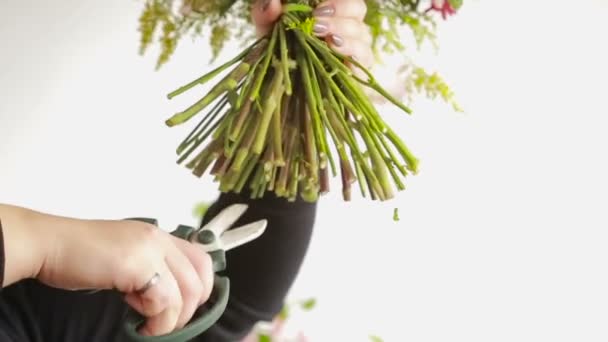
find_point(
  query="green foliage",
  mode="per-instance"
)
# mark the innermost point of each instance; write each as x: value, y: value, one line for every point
x: 264, y: 338
x: 305, y: 305
x: 375, y: 339
x: 166, y: 22
x: 456, y: 4
x: 432, y: 85
x: 385, y: 18
x: 308, y: 304
x: 200, y: 209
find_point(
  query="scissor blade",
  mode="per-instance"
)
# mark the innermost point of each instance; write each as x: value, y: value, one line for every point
x: 222, y: 221
x: 239, y: 236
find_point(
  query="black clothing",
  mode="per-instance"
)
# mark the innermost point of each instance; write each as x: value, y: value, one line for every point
x: 261, y: 273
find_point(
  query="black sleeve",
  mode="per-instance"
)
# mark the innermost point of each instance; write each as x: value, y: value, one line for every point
x: 261, y: 273
x: 2, y: 256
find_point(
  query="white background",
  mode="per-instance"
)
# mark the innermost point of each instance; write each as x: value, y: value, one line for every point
x: 502, y: 235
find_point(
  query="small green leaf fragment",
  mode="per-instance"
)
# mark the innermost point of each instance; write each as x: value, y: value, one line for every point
x: 200, y: 209
x: 308, y: 304
x: 264, y: 338
x: 284, y: 314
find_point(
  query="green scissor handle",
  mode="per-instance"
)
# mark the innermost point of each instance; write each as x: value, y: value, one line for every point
x: 221, y: 288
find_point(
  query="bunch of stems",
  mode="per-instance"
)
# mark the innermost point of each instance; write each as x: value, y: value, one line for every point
x: 288, y: 112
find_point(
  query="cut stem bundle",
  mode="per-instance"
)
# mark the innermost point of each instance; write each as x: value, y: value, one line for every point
x: 288, y: 112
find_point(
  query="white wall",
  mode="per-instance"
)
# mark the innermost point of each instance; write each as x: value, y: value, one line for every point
x: 502, y: 235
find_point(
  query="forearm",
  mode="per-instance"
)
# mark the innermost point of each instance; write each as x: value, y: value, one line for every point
x: 262, y: 271
x: 27, y: 237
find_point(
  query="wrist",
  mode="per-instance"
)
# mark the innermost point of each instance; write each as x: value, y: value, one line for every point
x: 29, y: 240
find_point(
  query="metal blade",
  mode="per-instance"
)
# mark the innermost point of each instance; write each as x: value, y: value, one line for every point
x: 225, y: 219
x: 239, y: 236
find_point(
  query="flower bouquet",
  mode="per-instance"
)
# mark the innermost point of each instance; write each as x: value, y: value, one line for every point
x: 287, y: 112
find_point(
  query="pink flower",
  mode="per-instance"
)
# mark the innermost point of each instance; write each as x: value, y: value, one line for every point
x: 442, y: 6
x: 302, y: 337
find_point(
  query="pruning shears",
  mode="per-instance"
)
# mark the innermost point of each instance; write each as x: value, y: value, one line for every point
x: 215, y: 239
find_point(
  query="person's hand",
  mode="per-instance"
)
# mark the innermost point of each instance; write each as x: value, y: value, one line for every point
x: 339, y: 22
x: 125, y: 255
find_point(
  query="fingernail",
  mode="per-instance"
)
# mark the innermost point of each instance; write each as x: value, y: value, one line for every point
x: 338, y: 41
x: 325, y: 11
x: 320, y: 27
x: 265, y: 4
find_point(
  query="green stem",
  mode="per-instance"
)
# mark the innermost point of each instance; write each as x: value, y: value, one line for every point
x: 372, y: 83
x: 265, y: 64
x: 251, y: 77
x: 294, y: 180
x: 205, y: 122
x: 392, y: 155
x: 378, y: 164
x: 281, y: 187
x: 288, y: 8
x: 274, y: 96
x: 244, y: 149
x: 199, y: 141
x: 244, y: 175
x: 246, y: 131
x: 347, y: 176
x: 229, y: 83
x: 244, y: 111
x: 312, y: 107
x: 387, y: 161
x: 276, y: 134
x: 361, y: 178
x: 285, y: 61
x: 411, y: 160
x: 213, y: 73
x: 310, y: 156
x: 322, y: 113
x: 336, y: 58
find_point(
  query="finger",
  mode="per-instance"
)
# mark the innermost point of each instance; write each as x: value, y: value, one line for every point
x: 157, y: 301
x: 264, y: 13
x: 156, y: 298
x: 342, y: 8
x: 189, y: 282
x: 354, y: 48
x: 342, y: 27
x: 165, y: 321
x: 202, y: 263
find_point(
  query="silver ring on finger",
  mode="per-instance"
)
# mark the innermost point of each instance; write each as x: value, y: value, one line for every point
x: 153, y: 281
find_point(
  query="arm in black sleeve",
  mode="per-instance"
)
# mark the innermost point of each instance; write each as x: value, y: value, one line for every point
x: 2, y: 256
x: 262, y: 271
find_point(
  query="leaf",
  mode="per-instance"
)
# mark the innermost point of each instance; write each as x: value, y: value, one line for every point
x: 396, y: 215
x: 375, y: 338
x: 308, y: 304
x: 284, y: 314
x: 227, y: 19
x: 456, y: 4
x: 219, y: 35
x: 432, y: 85
x: 200, y: 209
x: 264, y: 338
x: 169, y: 39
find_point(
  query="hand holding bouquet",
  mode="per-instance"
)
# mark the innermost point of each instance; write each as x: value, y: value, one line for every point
x: 292, y: 107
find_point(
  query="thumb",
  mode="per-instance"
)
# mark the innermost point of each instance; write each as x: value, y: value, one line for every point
x: 264, y: 14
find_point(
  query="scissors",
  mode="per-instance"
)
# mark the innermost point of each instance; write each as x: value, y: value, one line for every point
x: 215, y: 239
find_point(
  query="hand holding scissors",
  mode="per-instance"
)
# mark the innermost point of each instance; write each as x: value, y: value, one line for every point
x: 215, y: 239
